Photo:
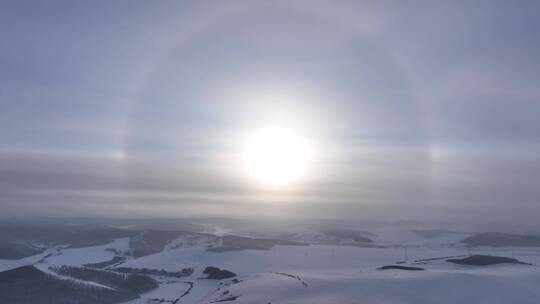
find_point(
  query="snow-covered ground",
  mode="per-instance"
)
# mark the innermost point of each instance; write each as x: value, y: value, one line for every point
x: 348, y: 274
x: 323, y: 273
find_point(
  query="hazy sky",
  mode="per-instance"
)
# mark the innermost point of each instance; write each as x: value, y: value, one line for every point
x: 413, y: 108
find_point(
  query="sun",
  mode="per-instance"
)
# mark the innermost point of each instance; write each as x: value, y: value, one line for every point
x: 276, y: 156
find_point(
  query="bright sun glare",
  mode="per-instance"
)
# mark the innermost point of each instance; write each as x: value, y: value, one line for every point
x: 276, y: 156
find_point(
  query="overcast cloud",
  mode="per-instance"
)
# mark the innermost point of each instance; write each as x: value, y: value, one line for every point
x: 420, y: 109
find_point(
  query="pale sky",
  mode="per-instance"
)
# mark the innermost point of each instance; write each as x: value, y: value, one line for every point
x: 414, y: 109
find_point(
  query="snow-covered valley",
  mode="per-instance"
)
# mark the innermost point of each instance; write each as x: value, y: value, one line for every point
x: 311, y: 269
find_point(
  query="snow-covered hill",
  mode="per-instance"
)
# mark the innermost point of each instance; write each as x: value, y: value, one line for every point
x: 306, y: 266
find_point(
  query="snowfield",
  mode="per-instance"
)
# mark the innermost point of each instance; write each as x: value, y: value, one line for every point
x: 348, y: 274
x: 342, y: 274
x: 320, y: 273
x: 390, y: 287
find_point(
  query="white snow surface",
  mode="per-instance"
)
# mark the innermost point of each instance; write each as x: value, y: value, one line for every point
x: 324, y: 273
x: 348, y: 274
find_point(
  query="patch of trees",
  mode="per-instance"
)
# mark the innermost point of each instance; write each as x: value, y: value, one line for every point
x: 185, y: 272
x: 484, y: 260
x: 357, y: 236
x: 151, y: 241
x: 101, y: 265
x: 130, y: 283
x: 215, y: 273
x: 235, y: 242
x: 13, y: 250
x: 28, y: 284
x: 227, y: 299
x: 90, y: 237
x: 399, y: 267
